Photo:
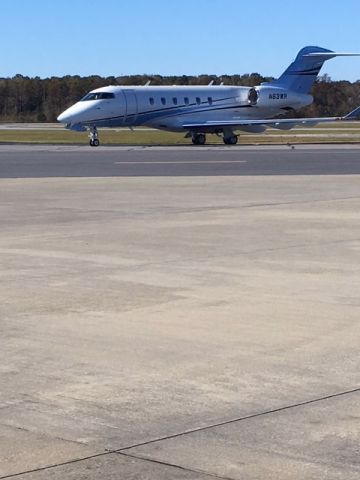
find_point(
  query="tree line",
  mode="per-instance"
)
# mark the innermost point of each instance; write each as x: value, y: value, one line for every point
x: 25, y: 99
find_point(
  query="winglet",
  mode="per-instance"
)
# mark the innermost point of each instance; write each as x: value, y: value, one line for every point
x: 353, y: 115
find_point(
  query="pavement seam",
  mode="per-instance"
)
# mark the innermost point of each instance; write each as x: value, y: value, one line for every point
x: 241, y: 419
x: 56, y: 465
x: 174, y: 465
x: 177, y: 435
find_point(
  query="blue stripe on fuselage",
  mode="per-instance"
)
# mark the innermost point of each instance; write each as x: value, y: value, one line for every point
x: 168, y: 112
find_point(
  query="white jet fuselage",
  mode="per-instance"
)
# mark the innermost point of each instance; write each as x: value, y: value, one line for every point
x: 172, y: 108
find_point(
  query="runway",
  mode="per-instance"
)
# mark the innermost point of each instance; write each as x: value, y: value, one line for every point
x: 54, y: 161
x: 179, y: 313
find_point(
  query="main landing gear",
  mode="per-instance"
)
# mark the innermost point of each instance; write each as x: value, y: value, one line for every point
x: 93, y: 135
x: 231, y: 140
x: 198, y: 139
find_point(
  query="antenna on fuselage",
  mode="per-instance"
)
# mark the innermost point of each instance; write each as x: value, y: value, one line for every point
x: 211, y: 83
x: 147, y: 83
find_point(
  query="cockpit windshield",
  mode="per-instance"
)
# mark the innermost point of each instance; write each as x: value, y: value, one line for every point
x: 97, y: 96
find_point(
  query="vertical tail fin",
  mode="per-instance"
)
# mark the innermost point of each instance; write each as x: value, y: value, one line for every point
x: 301, y: 74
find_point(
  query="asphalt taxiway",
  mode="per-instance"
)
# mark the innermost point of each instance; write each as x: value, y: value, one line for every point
x: 83, y: 161
x: 179, y: 313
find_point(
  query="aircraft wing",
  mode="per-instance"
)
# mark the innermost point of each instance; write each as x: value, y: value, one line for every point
x: 274, y: 123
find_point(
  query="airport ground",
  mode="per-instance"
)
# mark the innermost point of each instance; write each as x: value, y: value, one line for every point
x: 179, y: 313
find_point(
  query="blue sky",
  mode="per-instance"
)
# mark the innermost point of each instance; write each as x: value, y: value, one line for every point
x: 115, y: 37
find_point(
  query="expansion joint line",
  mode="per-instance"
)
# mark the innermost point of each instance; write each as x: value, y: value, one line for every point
x: 174, y: 465
x: 241, y: 419
x: 123, y: 451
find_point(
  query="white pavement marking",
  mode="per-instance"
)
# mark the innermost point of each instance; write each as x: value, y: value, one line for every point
x: 165, y: 162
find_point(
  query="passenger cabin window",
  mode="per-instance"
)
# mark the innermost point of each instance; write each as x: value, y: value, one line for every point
x: 175, y: 101
x: 163, y: 100
x: 198, y: 100
x: 210, y: 100
x: 98, y: 96
x: 186, y: 101
x: 152, y: 101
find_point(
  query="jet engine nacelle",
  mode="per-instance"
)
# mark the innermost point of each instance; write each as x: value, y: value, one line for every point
x: 277, y: 97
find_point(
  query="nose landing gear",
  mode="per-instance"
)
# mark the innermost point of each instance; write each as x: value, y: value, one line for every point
x: 93, y: 135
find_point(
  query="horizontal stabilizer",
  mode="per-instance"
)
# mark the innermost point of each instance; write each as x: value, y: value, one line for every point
x: 327, y: 56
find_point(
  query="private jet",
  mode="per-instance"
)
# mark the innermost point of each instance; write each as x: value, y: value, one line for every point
x: 201, y: 110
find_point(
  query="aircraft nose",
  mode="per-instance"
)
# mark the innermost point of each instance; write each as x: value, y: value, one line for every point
x: 75, y: 114
x: 64, y: 117
x: 71, y: 114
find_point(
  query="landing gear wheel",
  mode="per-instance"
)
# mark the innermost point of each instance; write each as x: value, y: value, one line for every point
x: 199, y: 139
x: 232, y: 140
x: 94, y: 141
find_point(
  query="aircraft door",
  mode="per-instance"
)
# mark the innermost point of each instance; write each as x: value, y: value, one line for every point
x: 131, y: 107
